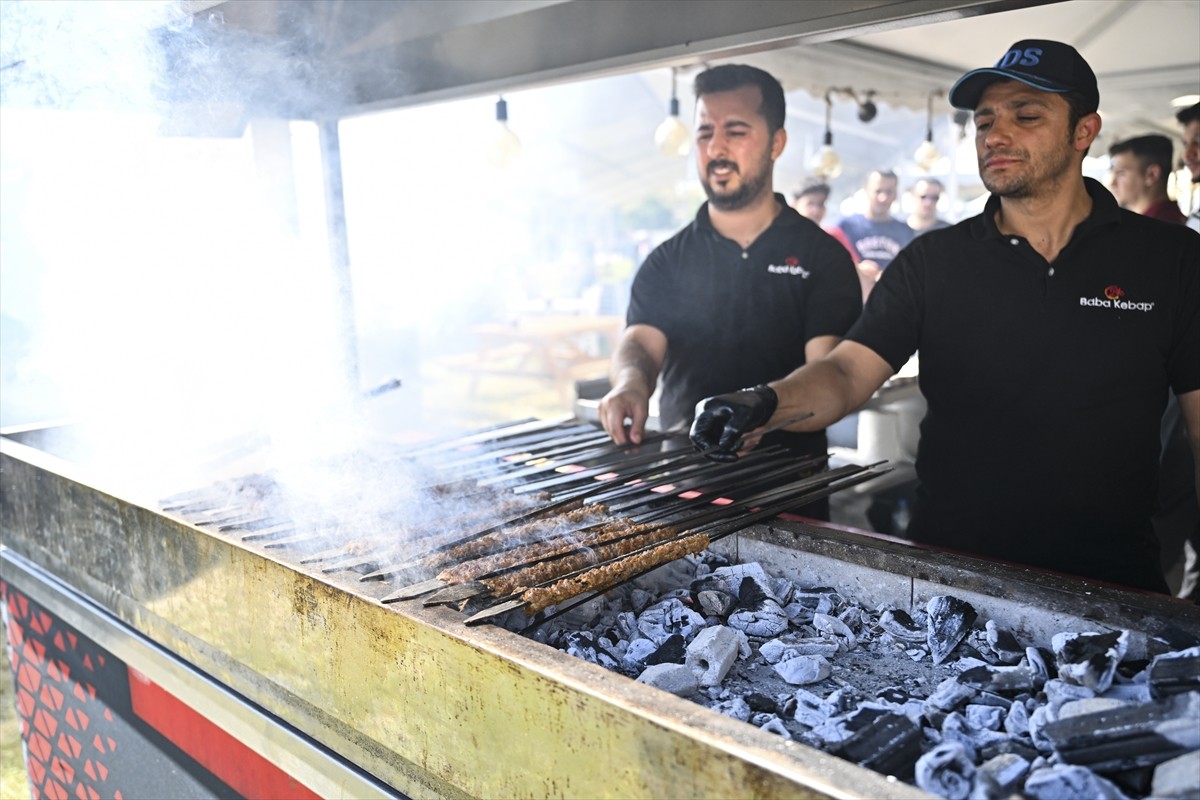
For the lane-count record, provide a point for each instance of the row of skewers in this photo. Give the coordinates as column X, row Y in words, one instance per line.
column 565, row 514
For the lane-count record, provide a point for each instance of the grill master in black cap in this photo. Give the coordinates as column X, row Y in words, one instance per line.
column 1040, row 63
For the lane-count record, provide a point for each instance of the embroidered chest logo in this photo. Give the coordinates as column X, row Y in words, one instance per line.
column 790, row 266
column 1114, row 297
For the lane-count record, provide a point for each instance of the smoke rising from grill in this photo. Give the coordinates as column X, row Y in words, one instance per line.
column 163, row 284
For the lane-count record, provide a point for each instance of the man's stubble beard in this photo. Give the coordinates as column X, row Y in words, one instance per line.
column 752, row 187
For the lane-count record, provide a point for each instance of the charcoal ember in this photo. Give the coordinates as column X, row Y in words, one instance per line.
column 1059, row 692
column 627, row 625
column 983, row 717
column 674, row 678
column 782, row 589
column 1089, row 659
column 715, row 602
column 950, row 620
column 791, row 645
column 735, row 707
column 785, row 705
column 1175, row 673
column 890, row 744
column 1130, row 692
column 734, row 577
column 1089, row 705
column 834, row 627
column 634, row 659
column 947, row 771
column 1039, row 660
column 811, row 710
column 1128, row 737
column 804, row 605
column 949, row 695
column 993, row 699
column 1016, row 722
column 898, row 623
column 1003, row 643
column 771, row 723
column 1039, row 718
column 847, row 698
column 712, row 654
column 852, row 616
column 1179, row 777
column 956, row 727
column 669, row 617
column 1001, row 680
column 1016, row 746
column 761, row 702
column 839, row 728
column 758, row 614
column 803, row 670
column 640, row 600
column 583, row 645
column 671, row 651
column 1065, row 782
column 1000, row 776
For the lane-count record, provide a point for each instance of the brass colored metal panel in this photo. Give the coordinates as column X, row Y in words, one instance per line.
column 425, row 704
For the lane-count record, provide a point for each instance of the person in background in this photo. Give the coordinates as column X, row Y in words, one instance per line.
column 745, row 293
column 1140, row 168
column 877, row 236
column 1050, row 328
column 925, row 195
column 809, row 199
column 1189, row 118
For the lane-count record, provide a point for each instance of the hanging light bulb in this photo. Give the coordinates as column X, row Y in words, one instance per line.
column 672, row 137
column 505, row 147
column 927, row 154
column 826, row 163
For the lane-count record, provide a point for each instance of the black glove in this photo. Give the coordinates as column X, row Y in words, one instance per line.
column 722, row 421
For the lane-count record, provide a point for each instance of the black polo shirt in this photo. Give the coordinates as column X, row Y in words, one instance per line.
column 1045, row 383
column 735, row 318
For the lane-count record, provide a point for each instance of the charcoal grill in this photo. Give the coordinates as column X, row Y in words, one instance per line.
column 404, row 698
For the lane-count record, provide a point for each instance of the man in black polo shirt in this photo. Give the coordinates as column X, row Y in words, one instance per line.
column 747, row 292
column 1050, row 329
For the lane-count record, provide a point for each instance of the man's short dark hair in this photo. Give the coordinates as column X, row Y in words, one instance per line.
column 1188, row 115
column 886, row 174
column 727, row 77
column 1150, row 149
column 931, row 181
column 811, row 186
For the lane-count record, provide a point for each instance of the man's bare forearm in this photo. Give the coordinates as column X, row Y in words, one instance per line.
column 633, row 364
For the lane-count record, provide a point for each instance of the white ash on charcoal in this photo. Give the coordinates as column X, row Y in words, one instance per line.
column 935, row 695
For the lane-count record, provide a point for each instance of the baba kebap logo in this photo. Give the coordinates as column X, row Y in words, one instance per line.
column 1114, row 297
column 790, row 266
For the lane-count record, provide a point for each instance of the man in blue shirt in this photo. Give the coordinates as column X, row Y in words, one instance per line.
column 877, row 236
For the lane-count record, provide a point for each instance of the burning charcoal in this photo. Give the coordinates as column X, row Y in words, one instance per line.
column 956, row 727
column 840, row 728
column 946, row 771
column 1129, row 737
column 785, row 705
column 950, row 619
column 836, row 628
column 803, row 670
column 1003, row 643
column 1177, row 777
column 1174, row 673
column 1089, row 659
column 790, row 645
column 805, row 604
column 1130, row 692
column 671, row 651
column 949, row 695
column 984, row 718
column 627, row 625
column 1017, row 720
column 636, row 654
column 811, row 710
column 845, row 699
column 898, row 623
column 669, row 617
column 715, row 602
column 640, row 600
column 771, row 724
column 1001, row 776
column 1040, row 661
column 1059, row 692
column 1008, row 680
column 674, row 678
column 1062, row 782
column 992, row 699
column 761, row 702
column 1039, row 718
column 735, row 577
column 890, row 744
column 1007, row 746
column 1089, row 705
column 712, row 653
column 583, row 645
column 758, row 614
column 852, row 616
column 783, row 589
column 735, row 707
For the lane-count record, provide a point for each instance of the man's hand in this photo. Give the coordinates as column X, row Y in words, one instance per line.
column 625, row 403
column 722, row 421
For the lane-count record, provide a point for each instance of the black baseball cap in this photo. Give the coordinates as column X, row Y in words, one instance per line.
column 1040, row 63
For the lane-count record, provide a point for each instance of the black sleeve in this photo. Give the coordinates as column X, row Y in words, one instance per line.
column 891, row 320
column 835, row 301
